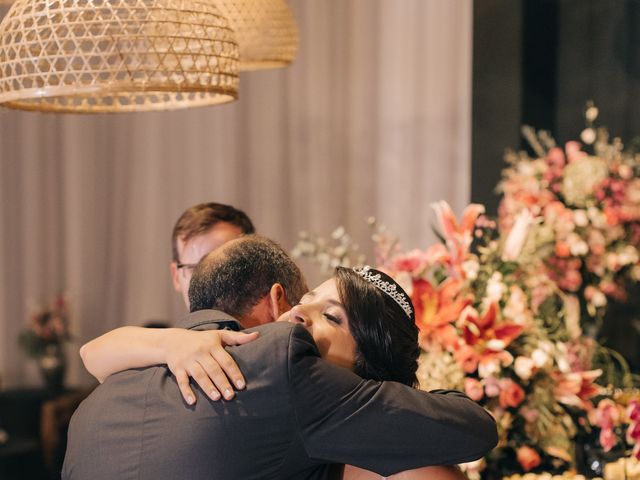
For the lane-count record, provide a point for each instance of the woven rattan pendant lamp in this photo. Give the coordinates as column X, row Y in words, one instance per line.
column 90, row 56
column 266, row 32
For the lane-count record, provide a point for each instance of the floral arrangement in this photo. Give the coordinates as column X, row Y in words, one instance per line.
column 587, row 203
column 48, row 328
column 501, row 305
column 512, row 341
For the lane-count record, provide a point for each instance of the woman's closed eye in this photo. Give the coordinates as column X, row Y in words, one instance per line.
column 333, row 318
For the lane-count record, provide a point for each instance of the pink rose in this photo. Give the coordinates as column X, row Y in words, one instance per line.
column 530, row 415
column 527, row 457
column 571, row 280
column 414, row 262
column 491, row 387
column 573, row 151
column 562, row 249
column 511, row 394
column 473, row 388
column 607, row 439
column 607, row 414
column 555, row 157
column 633, row 433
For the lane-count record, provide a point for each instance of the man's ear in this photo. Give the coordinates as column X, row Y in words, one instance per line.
column 173, row 267
column 278, row 303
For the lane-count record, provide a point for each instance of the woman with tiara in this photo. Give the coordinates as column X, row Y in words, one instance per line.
column 360, row 319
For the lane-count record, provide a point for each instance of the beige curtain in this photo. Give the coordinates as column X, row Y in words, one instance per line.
column 372, row 119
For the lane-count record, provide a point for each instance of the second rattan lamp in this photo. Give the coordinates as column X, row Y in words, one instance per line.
column 90, row 56
column 266, row 32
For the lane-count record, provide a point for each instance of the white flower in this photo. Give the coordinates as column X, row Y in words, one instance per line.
column 523, row 367
column 628, row 255
column 438, row 369
column 625, row 171
column 516, row 308
column 471, row 268
column 338, row 233
column 539, row 357
column 612, row 261
column 580, row 178
column 563, row 364
column 517, row 236
column 592, row 113
column 580, row 218
column 496, row 345
column 588, row 136
column 577, row 246
column 572, row 316
column 526, row 168
column 598, row 299
column 495, row 288
column 596, row 217
column 487, row 369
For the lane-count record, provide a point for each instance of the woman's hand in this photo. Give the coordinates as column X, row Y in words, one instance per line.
column 201, row 355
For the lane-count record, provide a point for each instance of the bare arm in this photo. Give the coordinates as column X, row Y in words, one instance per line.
column 121, row 349
column 187, row 353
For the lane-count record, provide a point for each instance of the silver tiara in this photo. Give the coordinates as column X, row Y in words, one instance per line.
column 389, row 288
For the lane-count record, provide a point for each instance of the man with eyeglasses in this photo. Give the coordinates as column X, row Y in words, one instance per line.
column 200, row 230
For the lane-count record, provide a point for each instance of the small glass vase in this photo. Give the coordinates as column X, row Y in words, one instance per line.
column 591, row 458
column 52, row 366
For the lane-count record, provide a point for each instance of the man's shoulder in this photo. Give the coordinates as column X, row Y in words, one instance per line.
column 208, row 320
column 291, row 333
column 278, row 340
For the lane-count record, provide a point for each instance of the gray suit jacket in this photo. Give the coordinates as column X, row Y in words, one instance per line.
column 297, row 415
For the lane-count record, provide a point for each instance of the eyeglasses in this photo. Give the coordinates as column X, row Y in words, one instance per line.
column 186, row 265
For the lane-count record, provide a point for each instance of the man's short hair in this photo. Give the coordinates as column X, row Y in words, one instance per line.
column 235, row 277
column 204, row 216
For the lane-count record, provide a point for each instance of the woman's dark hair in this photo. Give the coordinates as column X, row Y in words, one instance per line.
column 386, row 337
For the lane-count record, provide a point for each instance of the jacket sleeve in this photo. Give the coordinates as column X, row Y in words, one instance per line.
column 385, row 427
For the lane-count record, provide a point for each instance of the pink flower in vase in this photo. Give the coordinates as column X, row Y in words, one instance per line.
column 511, row 394
column 633, row 410
column 562, row 249
column 528, row 458
column 473, row 388
column 458, row 236
column 608, row 439
column 413, row 262
column 571, row 280
column 530, row 415
column 606, row 415
column 574, row 151
column 633, row 433
column 491, row 387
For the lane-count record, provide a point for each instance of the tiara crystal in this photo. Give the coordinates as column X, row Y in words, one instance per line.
column 389, row 288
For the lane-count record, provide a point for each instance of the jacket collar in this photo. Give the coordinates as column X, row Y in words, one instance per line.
column 209, row 319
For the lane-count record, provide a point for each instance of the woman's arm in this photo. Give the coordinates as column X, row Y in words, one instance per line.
column 187, row 353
